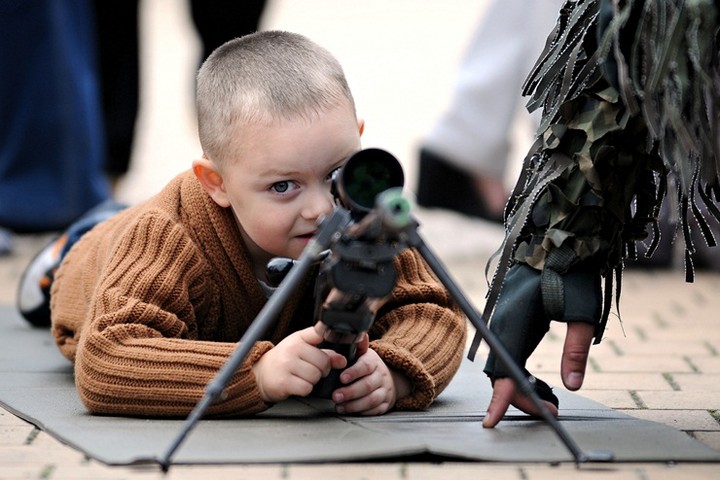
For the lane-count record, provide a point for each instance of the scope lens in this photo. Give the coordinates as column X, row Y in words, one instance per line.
column 367, row 174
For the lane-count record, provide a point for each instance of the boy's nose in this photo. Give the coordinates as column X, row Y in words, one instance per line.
column 319, row 203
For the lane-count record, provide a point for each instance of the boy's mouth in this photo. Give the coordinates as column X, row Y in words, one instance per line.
column 305, row 236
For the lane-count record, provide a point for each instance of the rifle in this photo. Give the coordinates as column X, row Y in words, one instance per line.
column 356, row 246
column 357, row 272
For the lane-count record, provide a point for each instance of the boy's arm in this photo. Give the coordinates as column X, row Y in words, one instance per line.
column 419, row 333
column 139, row 352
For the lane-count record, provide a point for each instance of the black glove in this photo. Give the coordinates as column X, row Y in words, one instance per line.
column 521, row 317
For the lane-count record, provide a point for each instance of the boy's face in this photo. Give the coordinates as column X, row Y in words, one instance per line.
column 281, row 186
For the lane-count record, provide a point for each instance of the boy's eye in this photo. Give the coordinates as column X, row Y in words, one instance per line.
column 282, row 187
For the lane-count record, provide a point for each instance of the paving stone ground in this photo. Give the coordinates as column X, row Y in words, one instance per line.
column 662, row 363
column 660, row 359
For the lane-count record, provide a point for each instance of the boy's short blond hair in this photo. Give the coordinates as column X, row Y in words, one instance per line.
column 263, row 78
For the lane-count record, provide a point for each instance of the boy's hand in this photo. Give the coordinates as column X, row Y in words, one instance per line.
column 294, row 366
column 574, row 360
column 371, row 387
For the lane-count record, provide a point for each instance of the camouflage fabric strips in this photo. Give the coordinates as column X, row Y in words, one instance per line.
column 630, row 92
column 651, row 70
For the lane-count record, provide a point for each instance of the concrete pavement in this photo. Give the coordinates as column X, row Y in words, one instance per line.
column 662, row 363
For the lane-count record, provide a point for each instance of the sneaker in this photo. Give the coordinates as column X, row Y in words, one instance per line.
column 33, row 300
column 34, row 292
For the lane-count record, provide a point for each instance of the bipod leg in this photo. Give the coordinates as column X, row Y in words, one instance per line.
column 516, row 373
column 264, row 320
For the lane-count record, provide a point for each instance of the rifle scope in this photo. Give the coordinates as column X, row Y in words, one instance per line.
column 365, row 175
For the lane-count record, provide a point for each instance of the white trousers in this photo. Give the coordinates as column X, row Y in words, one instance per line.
column 475, row 132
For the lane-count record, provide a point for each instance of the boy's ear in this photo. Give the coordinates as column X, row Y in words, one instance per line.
column 211, row 179
column 361, row 125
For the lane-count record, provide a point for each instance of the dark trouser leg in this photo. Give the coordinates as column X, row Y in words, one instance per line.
column 118, row 62
column 218, row 21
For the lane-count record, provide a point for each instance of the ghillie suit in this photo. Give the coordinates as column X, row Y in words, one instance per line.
column 630, row 91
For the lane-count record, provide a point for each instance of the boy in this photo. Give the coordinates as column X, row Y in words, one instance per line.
column 149, row 304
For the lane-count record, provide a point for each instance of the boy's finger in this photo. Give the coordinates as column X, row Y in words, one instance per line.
column 361, row 368
column 337, row 360
column 575, row 354
column 311, row 336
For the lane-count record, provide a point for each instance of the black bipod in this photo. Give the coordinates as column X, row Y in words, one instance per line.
column 522, row 382
column 368, row 175
column 329, row 229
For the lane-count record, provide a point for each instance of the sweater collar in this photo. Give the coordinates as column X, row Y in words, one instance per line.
column 218, row 234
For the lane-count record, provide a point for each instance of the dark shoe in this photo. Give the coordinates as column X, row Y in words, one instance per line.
column 441, row 185
column 33, row 299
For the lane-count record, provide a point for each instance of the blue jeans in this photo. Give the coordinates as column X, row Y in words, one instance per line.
column 85, row 223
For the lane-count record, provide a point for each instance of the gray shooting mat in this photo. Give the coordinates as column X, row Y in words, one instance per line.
column 36, row 384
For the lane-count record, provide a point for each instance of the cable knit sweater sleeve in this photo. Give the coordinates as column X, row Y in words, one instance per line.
column 139, row 353
column 420, row 332
column 145, row 312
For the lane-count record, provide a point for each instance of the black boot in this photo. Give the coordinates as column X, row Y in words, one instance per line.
column 441, row 185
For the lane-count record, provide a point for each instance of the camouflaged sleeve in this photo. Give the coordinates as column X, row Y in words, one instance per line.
column 589, row 207
column 630, row 93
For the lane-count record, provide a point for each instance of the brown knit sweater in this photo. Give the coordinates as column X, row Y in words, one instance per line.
column 150, row 303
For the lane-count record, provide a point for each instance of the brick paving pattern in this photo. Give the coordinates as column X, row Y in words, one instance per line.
column 662, row 363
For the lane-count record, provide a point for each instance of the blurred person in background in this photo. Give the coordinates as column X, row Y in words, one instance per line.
column 464, row 157
column 216, row 22
column 51, row 140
